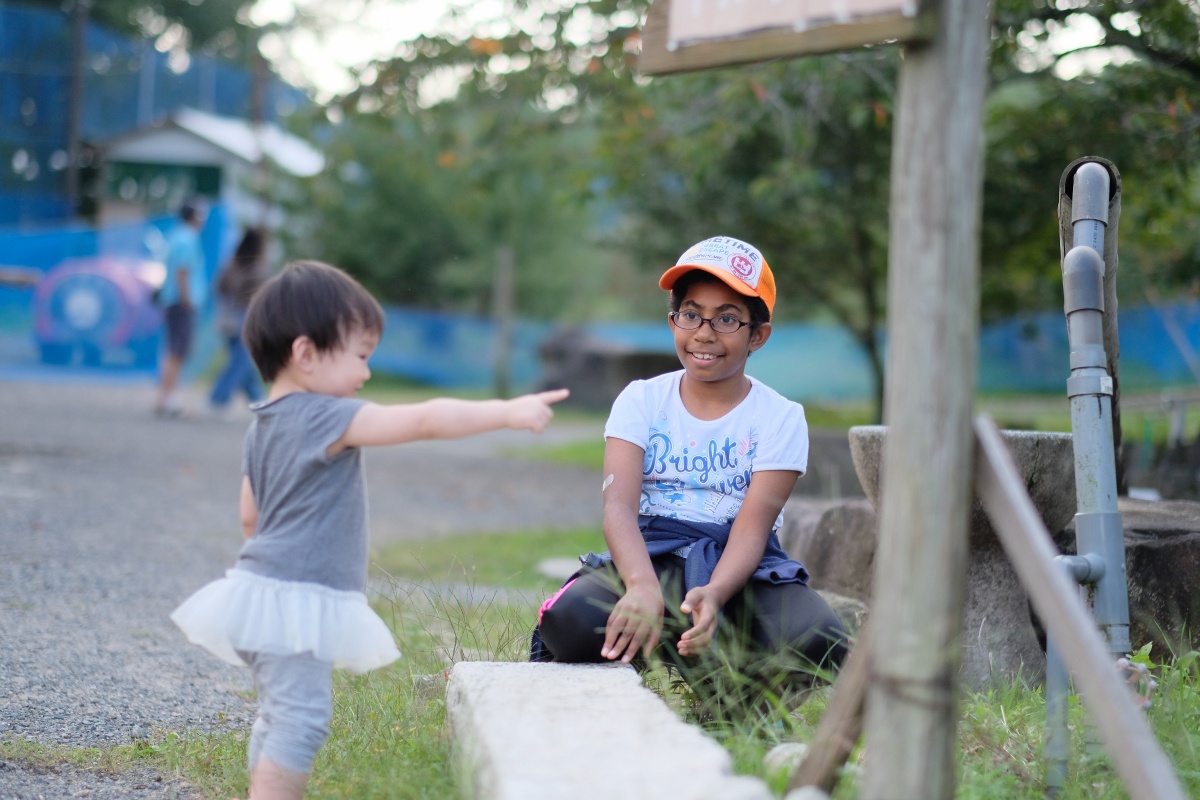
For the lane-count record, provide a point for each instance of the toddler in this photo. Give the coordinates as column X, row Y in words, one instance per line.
column 294, row 607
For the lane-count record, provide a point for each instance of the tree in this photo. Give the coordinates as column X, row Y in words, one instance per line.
column 504, row 157
column 1137, row 116
column 213, row 25
column 794, row 155
column 377, row 212
column 417, row 203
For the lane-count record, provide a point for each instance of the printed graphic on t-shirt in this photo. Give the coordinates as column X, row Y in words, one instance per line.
column 695, row 478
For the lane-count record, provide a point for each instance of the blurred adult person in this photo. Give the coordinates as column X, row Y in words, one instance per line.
column 183, row 293
column 241, row 277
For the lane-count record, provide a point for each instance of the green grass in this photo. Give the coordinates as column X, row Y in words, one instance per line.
column 838, row 417
column 389, row 740
column 508, row 559
column 581, row 453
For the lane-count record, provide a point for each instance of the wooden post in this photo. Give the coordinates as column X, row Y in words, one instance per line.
column 840, row 726
column 933, row 266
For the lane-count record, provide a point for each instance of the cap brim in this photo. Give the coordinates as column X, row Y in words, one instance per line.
column 676, row 272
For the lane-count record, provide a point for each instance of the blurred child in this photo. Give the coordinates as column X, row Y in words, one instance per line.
column 239, row 280
column 294, row 607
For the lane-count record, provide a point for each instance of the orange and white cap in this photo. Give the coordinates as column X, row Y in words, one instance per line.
column 741, row 266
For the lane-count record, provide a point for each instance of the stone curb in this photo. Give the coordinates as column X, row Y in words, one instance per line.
column 526, row 731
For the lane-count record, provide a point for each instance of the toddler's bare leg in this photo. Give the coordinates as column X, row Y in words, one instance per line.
column 270, row 781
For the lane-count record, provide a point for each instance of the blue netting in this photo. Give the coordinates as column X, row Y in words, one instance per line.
column 1029, row 353
column 456, row 351
column 128, row 85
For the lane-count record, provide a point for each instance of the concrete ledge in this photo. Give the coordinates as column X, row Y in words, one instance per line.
column 527, row 731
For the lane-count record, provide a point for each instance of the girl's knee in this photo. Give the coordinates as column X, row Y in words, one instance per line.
column 569, row 637
column 825, row 643
column 572, row 626
column 296, row 708
column 293, row 742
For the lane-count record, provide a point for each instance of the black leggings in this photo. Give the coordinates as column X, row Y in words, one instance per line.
column 766, row 618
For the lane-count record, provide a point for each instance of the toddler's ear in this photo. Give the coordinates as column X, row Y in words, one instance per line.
column 304, row 352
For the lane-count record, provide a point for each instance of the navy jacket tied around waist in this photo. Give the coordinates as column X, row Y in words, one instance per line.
column 665, row 535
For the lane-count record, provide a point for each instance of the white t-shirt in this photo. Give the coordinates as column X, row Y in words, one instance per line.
column 699, row 469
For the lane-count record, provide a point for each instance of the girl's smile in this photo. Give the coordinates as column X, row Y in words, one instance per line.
column 706, row 355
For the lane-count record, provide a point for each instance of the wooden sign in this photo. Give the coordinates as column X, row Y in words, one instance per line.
column 685, row 35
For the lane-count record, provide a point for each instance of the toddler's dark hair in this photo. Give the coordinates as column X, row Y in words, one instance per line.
column 759, row 313
column 308, row 298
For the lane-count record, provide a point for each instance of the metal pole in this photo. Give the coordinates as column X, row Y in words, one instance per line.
column 1069, row 214
column 1058, row 744
column 1080, row 569
column 1099, row 534
column 79, row 16
column 1098, row 528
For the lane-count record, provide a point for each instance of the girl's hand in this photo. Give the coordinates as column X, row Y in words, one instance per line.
column 702, row 603
column 636, row 622
column 532, row 411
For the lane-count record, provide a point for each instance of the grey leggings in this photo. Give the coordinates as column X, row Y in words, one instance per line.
column 295, row 706
column 767, row 617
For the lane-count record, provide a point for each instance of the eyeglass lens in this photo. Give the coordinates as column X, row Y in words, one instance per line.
column 723, row 323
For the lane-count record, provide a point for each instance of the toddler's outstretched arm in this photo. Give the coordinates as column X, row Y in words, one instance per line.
column 446, row 418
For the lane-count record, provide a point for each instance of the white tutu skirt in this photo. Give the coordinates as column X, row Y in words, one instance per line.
column 249, row 612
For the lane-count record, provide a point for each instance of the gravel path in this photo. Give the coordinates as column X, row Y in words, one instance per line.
column 110, row 517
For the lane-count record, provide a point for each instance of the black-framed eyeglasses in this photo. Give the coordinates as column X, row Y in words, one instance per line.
column 722, row 323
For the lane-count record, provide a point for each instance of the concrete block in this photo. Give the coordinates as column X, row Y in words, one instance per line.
column 527, row 731
column 999, row 640
column 835, row 540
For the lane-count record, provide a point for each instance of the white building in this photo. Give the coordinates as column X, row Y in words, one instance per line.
column 192, row 153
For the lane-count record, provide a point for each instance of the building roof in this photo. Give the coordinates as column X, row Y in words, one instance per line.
column 195, row 137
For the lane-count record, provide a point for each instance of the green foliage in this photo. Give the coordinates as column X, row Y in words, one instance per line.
column 417, row 203
column 794, row 156
column 385, row 740
column 215, row 26
column 380, row 212
column 1036, row 126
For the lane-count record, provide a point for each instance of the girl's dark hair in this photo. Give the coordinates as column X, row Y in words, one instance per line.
column 250, row 249
column 758, row 309
column 246, row 270
column 308, row 298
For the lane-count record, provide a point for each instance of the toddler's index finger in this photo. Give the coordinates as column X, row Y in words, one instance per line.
column 554, row 396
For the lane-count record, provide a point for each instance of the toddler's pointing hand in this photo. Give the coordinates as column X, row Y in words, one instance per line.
column 532, row 411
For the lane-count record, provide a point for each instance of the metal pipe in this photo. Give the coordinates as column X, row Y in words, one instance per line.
column 1089, row 206
column 1099, row 536
column 1058, row 744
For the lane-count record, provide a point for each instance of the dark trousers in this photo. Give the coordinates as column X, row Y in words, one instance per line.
column 239, row 373
column 771, row 620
